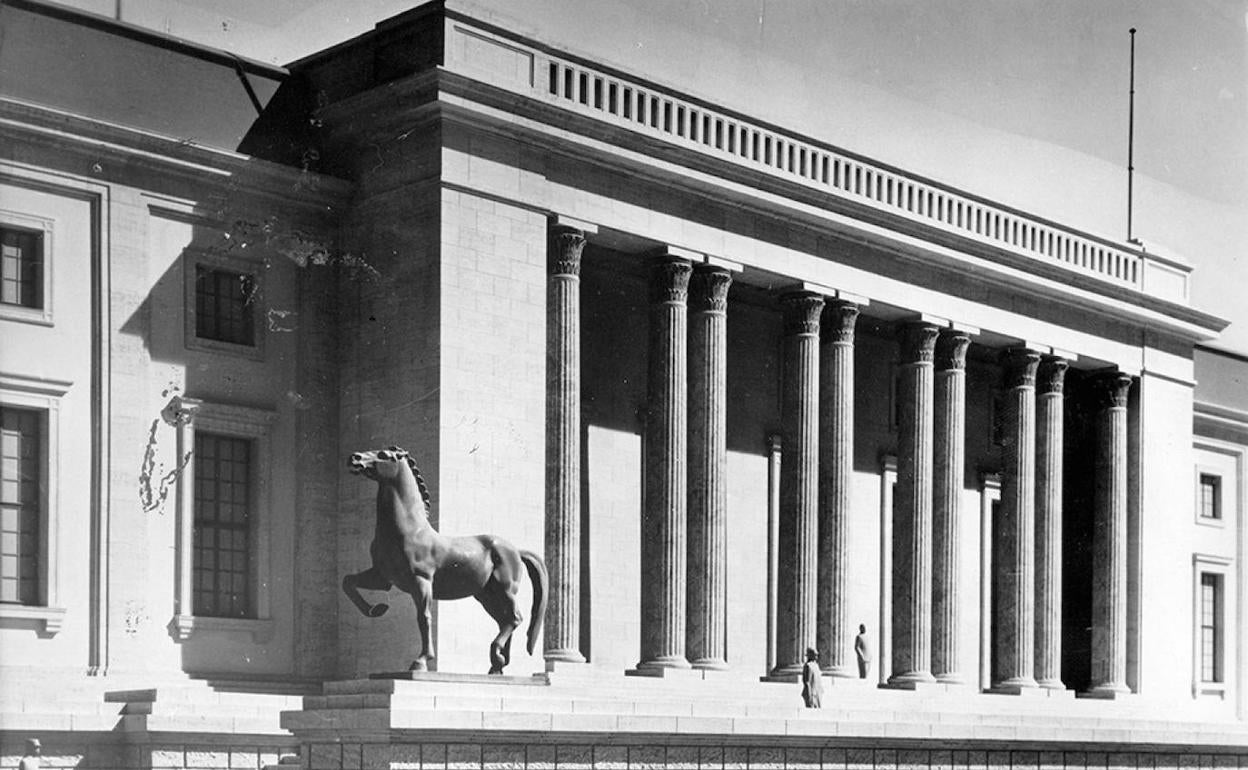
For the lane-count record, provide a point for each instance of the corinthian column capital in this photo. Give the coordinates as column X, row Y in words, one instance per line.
column 1020, row 367
column 801, row 312
column 708, row 290
column 918, row 342
column 1111, row 390
column 1051, row 377
column 669, row 281
column 951, row 350
column 566, row 245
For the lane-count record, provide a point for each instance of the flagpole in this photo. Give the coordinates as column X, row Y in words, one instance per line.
column 1131, row 140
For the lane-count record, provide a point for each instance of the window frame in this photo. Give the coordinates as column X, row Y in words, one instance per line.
column 1220, row 567
column 41, row 316
column 189, row 416
column 193, row 260
column 43, row 396
column 1203, row 471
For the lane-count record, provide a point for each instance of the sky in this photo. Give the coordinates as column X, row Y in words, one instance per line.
column 1024, row 101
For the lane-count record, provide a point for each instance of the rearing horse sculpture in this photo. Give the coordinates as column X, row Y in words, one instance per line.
column 408, row 553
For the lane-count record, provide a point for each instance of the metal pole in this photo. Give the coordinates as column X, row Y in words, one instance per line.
column 1131, row 139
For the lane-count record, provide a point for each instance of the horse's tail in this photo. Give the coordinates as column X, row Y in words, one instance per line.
column 541, row 582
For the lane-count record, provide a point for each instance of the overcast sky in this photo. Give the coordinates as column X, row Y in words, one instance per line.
column 1025, row 101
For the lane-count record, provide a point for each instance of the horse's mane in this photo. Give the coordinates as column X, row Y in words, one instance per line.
column 420, row 480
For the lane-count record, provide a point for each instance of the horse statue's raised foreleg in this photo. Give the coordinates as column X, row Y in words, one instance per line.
column 371, row 580
column 422, row 596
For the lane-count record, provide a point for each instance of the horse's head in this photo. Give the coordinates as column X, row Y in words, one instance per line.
column 380, row 464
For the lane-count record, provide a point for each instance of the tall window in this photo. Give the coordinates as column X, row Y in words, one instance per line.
column 224, row 308
column 21, row 267
column 20, row 455
column 222, row 534
column 1210, row 627
column 1210, row 496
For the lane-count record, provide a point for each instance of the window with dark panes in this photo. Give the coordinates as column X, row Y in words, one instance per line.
column 1210, row 494
column 21, row 267
column 20, row 503
column 222, row 535
column 224, row 305
column 1210, row 627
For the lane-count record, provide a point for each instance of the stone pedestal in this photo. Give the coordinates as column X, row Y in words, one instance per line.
column 1049, row 447
column 949, row 457
column 799, row 484
column 1109, row 539
column 708, row 458
column 836, row 470
column 563, row 437
column 912, row 523
column 663, row 551
column 1014, row 565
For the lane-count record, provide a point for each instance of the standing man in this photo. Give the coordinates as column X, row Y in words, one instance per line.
column 862, row 648
column 30, row 760
column 812, row 680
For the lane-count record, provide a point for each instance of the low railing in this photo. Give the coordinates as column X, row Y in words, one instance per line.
column 660, row 113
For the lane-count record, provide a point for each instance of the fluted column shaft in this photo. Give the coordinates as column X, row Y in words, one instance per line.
column 1014, row 568
column 836, row 467
column 1109, row 538
column 949, row 458
column 708, row 459
column 1049, row 447
column 563, row 436
column 912, row 506
column 799, row 483
column 663, row 526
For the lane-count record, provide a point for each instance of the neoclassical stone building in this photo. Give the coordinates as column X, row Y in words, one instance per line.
column 744, row 390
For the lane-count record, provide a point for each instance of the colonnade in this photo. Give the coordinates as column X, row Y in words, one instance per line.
column 684, row 528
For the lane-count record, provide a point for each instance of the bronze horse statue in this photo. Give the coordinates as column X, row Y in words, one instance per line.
column 410, row 554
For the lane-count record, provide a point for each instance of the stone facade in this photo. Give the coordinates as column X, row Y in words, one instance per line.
column 741, row 389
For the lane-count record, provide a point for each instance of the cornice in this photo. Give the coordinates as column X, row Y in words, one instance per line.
column 103, row 143
column 479, row 105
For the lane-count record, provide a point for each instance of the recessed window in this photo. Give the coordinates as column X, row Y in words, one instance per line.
column 222, row 537
column 224, row 305
column 21, row 448
column 21, row 267
column 1210, row 500
column 1211, row 643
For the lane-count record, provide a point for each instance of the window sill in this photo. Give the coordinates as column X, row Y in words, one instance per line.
column 53, row 618
column 1207, row 521
column 1211, row 690
column 27, row 315
column 204, row 345
column 184, row 626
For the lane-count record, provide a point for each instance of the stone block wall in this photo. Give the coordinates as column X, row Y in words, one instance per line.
column 609, row 756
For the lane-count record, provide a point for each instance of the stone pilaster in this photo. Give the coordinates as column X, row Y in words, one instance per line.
column 1109, row 538
column 708, row 460
column 663, row 520
column 836, row 469
column 912, row 506
column 1049, row 447
column 563, row 437
column 1014, row 568
column 949, row 458
column 799, row 484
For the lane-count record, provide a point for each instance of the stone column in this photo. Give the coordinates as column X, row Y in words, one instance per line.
column 1109, row 538
column 836, row 468
column 663, row 520
column 799, row 484
column 563, row 445
column 949, row 459
column 1049, row 446
column 912, row 507
column 1014, row 568
column 708, row 460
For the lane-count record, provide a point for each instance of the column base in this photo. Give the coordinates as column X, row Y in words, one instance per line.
column 788, row 673
column 709, row 664
column 1109, row 691
column 565, row 655
column 911, row 680
column 1016, row 685
column 1051, row 684
column 668, row 666
column 951, row 677
column 840, row 672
